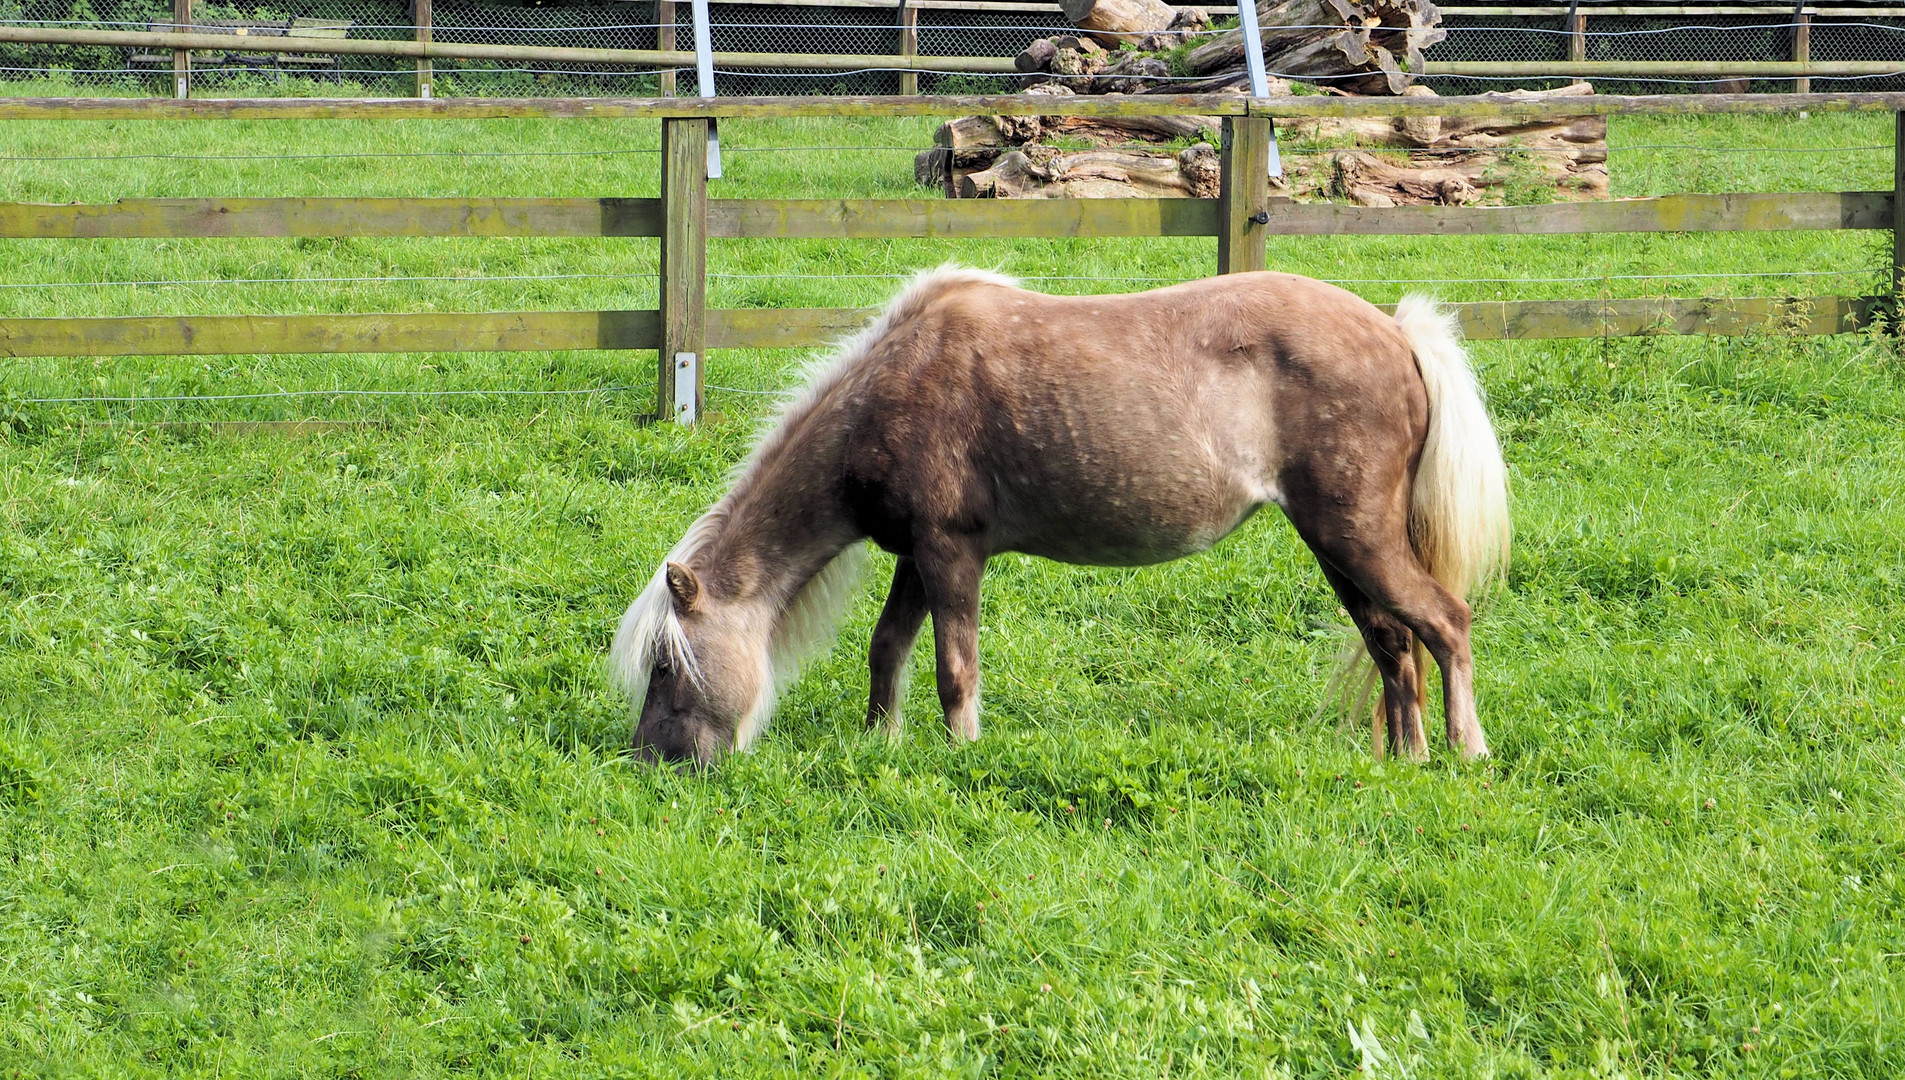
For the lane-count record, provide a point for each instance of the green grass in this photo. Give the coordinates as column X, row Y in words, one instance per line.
column 306, row 765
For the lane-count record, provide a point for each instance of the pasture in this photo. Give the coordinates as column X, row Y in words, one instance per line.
column 307, row 766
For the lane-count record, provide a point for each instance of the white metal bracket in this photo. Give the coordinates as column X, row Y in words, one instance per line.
column 704, row 79
column 687, row 367
column 1253, row 66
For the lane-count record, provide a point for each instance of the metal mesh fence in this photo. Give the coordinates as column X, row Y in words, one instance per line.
column 816, row 29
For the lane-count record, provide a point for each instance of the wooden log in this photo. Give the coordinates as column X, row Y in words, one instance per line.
column 1583, row 136
column 933, row 168
column 1115, row 22
column 1043, row 173
column 1365, row 46
column 1124, row 129
column 1036, row 56
column 1130, row 73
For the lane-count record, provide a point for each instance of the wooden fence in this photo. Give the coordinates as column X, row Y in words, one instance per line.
column 681, row 329
column 424, row 49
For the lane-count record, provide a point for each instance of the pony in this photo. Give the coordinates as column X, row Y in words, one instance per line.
column 973, row 417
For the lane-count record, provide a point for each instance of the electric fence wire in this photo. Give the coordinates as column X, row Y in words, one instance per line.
column 271, row 394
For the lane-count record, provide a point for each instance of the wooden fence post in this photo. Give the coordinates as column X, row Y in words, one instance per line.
column 665, row 41
column 909, row 45
column 426, row 73
column 1898, row 217
column 1577, row 38
column 182, row 58
column 1802, row 48
column 684, row 264
column 1243, row 200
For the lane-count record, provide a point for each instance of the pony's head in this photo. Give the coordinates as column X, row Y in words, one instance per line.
column 697, row 667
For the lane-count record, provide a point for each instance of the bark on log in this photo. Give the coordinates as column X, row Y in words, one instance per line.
column 1130, row 73
column 1114, row 22
column 1044, row 173
column 1036, row 56
column 1364, row 46
column 1448, row 160
column 969, row 134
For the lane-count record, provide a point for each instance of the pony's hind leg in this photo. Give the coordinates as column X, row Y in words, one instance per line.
column 1381, row 562
column 1441, row 620
column 1391, row 647
column 892, row 646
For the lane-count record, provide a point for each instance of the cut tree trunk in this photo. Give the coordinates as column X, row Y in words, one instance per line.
column 1444, row 161
column 1363, row 46
column 1452, row 160
column 1115, row 22
column 1041, row 172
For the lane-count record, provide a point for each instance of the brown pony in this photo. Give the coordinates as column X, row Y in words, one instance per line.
column 973, row 417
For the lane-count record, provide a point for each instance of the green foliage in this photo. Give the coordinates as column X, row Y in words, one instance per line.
column 306, row 764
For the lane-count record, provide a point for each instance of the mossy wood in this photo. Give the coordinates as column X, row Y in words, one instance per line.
column 1245, row 197
column 772, row 328
column 875, row 219
column 684, row 262
column 1479, row 105
column 444, row 50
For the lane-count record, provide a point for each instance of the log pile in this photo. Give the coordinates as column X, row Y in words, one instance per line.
column 1449, row 161
column 1147, row 46
column 1014, row 157
column 1347, row 46
column 1375, row 162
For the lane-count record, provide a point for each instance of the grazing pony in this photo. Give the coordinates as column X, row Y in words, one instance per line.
column 974, row 417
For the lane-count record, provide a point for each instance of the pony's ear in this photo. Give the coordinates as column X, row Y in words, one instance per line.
column 684, row 586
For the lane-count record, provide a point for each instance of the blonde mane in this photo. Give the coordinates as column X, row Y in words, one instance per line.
column 650, row 629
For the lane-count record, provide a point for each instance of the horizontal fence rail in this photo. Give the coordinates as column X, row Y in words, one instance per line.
column 782, row 328
column 685, row 218
column 889, row 219
column 1466, row 106
column 427, row 48
column 449, row 50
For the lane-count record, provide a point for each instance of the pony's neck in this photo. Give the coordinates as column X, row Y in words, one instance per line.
column 784, row 519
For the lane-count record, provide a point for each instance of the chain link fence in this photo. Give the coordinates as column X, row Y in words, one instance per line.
column 819, row 29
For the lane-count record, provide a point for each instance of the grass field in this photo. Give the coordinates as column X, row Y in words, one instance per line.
column 307, row 768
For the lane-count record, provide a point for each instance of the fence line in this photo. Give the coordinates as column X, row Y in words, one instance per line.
column 1216, row 105
column 427, row 48
column 682, row 328
column 719, row 276
column 758, row 219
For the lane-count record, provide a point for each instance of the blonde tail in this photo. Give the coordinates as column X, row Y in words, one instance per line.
column 1458, row 508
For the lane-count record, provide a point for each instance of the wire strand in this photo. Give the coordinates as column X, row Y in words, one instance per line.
column 325, row 393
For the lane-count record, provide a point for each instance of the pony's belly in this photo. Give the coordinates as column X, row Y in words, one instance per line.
column 1117, row 537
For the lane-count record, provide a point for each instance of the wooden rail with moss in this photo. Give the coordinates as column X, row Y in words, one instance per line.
column 425, row 48
column 778, row 328
column 681, row 329
column 1467, row 106
column 893, row 219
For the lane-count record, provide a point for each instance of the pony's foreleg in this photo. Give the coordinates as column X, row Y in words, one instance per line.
column 950, row 569
column 892, row 646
